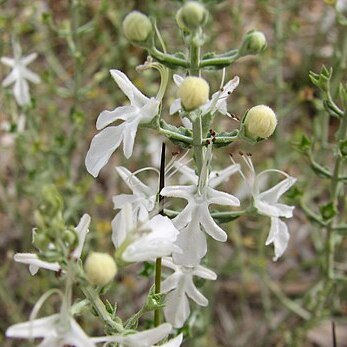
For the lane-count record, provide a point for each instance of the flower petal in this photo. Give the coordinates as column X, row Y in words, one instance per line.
column 10, row 79
column 8, row 61
column 171, row 282
column 120, row 113
column 175, row 106
column 175, row 342
column 176, row 308
column 28, row 59
column 130, row 130
column 279, row 236
column 221, row 198
column 77, row 337
column 35, row 263
column 272, row 195
column 184, row 192
column 178, row 79
column 102, row 147
column 149, row 110
column 21, row 91
column 122, row 224
column 194, row 294
column 210, row 225
column 134, row 95
column 204, row 272
column 31, row 76
column 188, row 173
column 42, row 327
column 216, row 178
column 82, row 229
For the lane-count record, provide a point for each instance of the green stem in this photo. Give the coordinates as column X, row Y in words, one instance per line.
column 167, row 59
column 100, row 308
column 220, row 61
column 197, row 143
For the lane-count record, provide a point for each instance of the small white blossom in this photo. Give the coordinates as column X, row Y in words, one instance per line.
column 146, row 240
column 35, row 263
column 20, row 74
column 180, row 287
column 266, row 202
column 142, row 200
column 195, row 219
column 54, row 331
column 141, row 110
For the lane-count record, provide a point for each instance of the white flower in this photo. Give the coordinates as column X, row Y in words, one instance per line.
column 35, row 263
column 54, row 331
column 195, row 218
column 20, row 74
column 179, row 287
column 146, row 240
column 267, row 204
column 141, row 110
column 218, row 102
column 147, row 338
column 142, row 200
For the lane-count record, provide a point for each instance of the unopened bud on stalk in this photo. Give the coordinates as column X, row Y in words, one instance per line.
column 193, row 92
column 137, row 26
column 260, row 122
column 100, row 268
column 253, row 42
column 191, row 16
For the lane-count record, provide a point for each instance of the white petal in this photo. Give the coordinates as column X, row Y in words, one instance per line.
column 216, row 178
column 192, row 241
column 175, row 106
column 279, row 236
column 102, row 147
column 184, row 192
column 130, row 130
column 82, row 229
column 194, row 294
column 29, row 58
column 77, row 337
column 273, row 194
column 176, row 308
column 221, row 97
column 273, row 210
column 178, row 79
column 120, row 200
column 31, row 76
column 171, row 282
column 221, row 198
column 167, row 262
column 21, row 91
column 10, row 79
column 120, row 113
column 149, row 110
column 134, row 95
column 162, row 227
column 204, row 272
column 184, row 217
column 175, row 342
column 148, row 337
column 122, row 224
column 42, row 327
column 8, row 61
column 33, row 259
column 210, row 225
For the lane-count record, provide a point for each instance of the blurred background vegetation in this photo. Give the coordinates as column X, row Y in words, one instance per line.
column 78, row 41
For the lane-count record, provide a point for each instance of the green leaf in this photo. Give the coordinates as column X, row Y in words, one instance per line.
column 328, row 211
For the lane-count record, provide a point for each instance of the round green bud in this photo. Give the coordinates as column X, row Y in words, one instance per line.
column 137, row 26
column 100, row 268
column 253, row 42
column 260, row 122
column 193, row 92
column 191, row 16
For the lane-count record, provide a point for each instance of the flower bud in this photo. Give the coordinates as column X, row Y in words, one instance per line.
column 193, row 93
column 260, row 122
column 253, row 42
column 191, row 16
column 100, row 268
column 137, row 26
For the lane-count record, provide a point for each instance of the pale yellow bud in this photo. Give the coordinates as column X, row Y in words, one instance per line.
column 191, row 16
column 100, row 268
column 137, row 26
column 260, row 122
column 193, row 93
